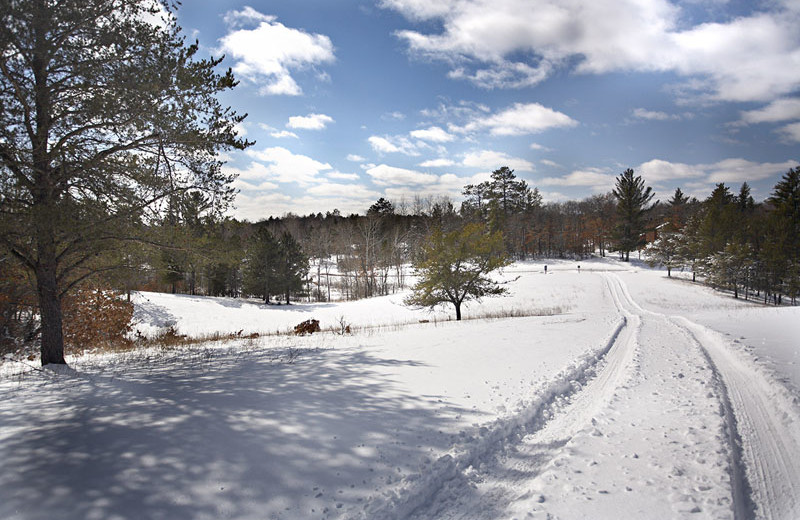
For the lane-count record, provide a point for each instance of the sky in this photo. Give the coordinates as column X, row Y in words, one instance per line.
column 352, row 100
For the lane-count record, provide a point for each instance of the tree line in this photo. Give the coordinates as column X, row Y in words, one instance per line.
column 111, row 144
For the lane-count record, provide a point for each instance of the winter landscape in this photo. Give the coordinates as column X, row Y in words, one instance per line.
column 616, row 393
column 399, row 259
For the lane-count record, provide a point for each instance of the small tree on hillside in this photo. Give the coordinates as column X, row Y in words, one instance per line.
column 665, row 250
column 455, row 267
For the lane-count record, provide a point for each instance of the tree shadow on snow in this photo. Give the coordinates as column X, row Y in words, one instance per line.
column 237, row 437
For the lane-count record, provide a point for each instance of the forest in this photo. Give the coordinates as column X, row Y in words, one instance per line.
column 727, row 240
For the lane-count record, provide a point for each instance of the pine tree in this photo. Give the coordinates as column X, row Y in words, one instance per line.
column 632, row 206
column 103, row 116
column 665, row 251
column 292, row 266
column 260, row 276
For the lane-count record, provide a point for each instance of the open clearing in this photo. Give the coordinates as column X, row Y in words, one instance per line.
column 622, row 394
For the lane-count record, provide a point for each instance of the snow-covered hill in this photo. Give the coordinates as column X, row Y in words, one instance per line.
column 623, row 394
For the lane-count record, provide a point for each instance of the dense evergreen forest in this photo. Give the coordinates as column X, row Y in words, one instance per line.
column 727, row 240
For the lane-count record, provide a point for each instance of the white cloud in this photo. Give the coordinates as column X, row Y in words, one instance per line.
column 492, row 160
column 386, row 175
column 282, row 134
column 779, row 110
column 552, row 164
column 287, row 167
column 393, row 145
column 309, row 122
column 343, row 176
column 657, row 170
column 355, row 158
column 393, row 116
column 741, row 170
column 537, row 146
column 346, row 191
column 270, row 52
column 382, row 145
column 597, row 179
column 791, row 132
column 517, row 43
column 520, row 119
column 433, row 133
column 653, row 115
column 734, row 170
column 437, row 163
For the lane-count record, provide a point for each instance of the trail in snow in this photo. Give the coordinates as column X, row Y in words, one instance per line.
column 767, row 424
column 764, row 428
column 650, row 435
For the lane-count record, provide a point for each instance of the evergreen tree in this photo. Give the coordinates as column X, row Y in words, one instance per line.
column 665, row 251
column 381, row 208
column 261, row 275
column 784, row 232
column 292, row 266
column 632, row 206
column 104, row 114
column 718, row 225
column 678, row 209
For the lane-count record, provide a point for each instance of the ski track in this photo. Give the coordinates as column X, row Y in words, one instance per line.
column 767, row 428
column 719, row 441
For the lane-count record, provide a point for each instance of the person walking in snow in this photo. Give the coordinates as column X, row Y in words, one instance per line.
column 545, row 269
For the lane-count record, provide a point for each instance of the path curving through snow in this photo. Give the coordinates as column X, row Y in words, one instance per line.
column 668, row 422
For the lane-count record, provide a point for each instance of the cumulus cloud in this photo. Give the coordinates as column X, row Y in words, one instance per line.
column 779, row 110
column 343, row 176
column 387, row 175
column 282, row 134
column 281, row 165
column 397, row 144
column 437, row 163
column 518, row 43
column 733, row 170
column 355, row 158
column 492, row 160
column 741, row 170
column 267, row 52
column 597, row 179
column 309, row 122
column 659, row 170
column 433, row 133
column 520, row 119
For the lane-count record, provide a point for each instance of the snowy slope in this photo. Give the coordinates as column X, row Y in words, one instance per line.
column 632, row 402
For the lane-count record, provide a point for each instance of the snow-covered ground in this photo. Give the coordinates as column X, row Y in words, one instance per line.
column 623, row 394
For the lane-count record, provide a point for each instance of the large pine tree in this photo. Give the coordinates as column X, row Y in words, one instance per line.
column 633, row 198
column 104, row 114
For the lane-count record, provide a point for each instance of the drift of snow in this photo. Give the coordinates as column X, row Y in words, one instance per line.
column 623, row 394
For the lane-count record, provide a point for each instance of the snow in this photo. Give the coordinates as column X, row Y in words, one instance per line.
column 621, row 394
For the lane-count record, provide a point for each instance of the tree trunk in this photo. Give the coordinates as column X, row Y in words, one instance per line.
column 52, row 348
column 458, row 310
column 669, row 272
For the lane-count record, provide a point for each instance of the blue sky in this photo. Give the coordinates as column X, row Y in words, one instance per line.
column 352, row 100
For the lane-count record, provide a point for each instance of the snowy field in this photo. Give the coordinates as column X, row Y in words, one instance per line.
column 621, row 395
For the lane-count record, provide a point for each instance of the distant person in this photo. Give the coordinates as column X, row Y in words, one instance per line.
column 545, row 269
column 579, row 268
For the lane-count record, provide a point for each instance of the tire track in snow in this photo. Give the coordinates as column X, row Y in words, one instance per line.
column 766, row 431
column 588, row 384
column 650, row 395
column 763, row 428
